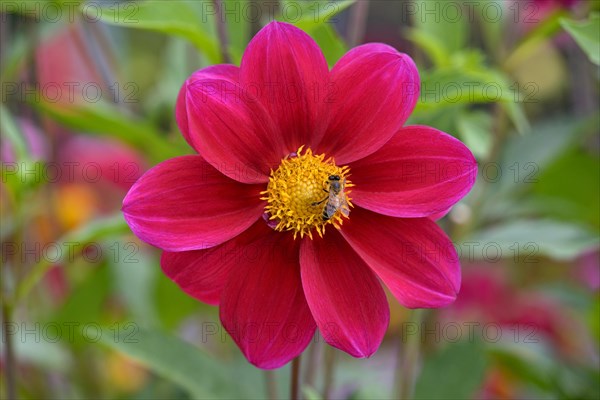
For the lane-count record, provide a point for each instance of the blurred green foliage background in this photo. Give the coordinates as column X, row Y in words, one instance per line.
column 88, row 95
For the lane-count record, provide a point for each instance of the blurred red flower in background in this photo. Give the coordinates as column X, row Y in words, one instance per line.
column 87, row 176
column 527, row 317
column 550, row 4
column 34, row 139
column 271, row 137
column 488, row 297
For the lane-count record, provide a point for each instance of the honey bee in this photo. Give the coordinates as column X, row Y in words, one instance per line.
column 336, row 200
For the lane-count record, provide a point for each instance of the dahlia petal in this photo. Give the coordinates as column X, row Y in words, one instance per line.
column 413, row 257
column 232, row 131
column 421, row 171
column 185, row 204
column 439, row 215
column 263, row 305
column 203, row 273
column 373, row 90
column 344, row 295
column 288, row 72
column 221, row 71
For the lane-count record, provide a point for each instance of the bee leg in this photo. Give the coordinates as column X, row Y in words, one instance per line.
column 316, row 203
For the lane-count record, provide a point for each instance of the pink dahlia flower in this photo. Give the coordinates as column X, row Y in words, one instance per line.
column 262, row 221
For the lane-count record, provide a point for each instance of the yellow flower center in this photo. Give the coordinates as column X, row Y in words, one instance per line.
column 307, row 192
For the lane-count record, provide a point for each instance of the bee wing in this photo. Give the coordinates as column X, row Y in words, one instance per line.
column 345, row 210
column 330, row 210
column 344, row 207
column 332, row 205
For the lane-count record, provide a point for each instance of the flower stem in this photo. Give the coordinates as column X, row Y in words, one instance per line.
column 408, row 357
column 358, row 23
column 222, row 32
column 90, row 45
column 295, row 381
column 312, row 364
column 9, row 355
column 329, row 371
column 271, row 385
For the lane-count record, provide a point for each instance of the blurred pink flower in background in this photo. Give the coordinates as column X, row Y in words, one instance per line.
column 488, row 297
column 85, row 177
column 111, row 162
column 555, row 4
column 66, row 69
column 525, row 317
column 587, row 270
column 36, row 144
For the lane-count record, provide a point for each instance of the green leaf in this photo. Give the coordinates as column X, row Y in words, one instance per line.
column 12, row 62
column 517, row 115
column 430, row 44
column 533, row 238
column 176, row 360
column 330, row 42
column 310, row 393
column 84, row 306
column 455, row 372
column 312, row 16
column 106, row 120
column 134, row 276
column 586, row 34
column 238, row 26
column 522, row 161
column 171, row 77
column 308, row 14
column 99, row 229
column 537, row 366
column 593, row 320
column 181, row 19
column 35, row 349
column 447, row 87
column 569, row 188
column 440, row 35
column 524, row 157
column 529, row 362
column 462, row 77
column 172, row 304
column 443, row 118
column 541, row 32
column 545, row 142
column 95, row 231
column 475, row 129
column 10, row 130
column 491, row 30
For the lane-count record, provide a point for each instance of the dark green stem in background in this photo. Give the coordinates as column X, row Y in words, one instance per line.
column 358, row 23
column 9, row 355
column 312, row 363
column 295, row 379
column 271, row 385
column 408, row 358
column 329, row 371
column 222, row 32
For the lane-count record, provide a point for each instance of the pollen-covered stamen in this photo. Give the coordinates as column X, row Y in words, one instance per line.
column 298, row 193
